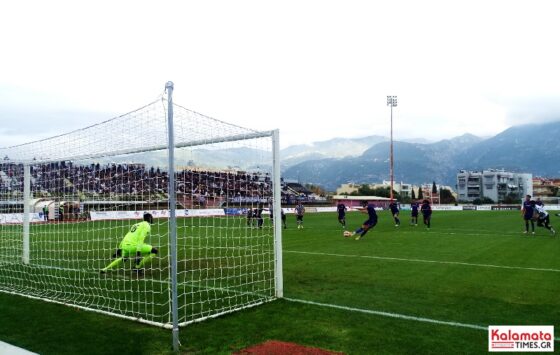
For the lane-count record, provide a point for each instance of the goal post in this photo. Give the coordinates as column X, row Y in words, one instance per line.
column 279, row 276
column 26, row 210
column 172, row 216
column 212, row 247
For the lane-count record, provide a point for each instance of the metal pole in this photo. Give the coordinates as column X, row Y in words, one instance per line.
column 172, row 218
column 278, row 273
column 26, row 211
column 391, row 168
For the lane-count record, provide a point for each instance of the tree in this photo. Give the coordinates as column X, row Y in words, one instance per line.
column 483, row 201
column 405, row 199
column 420, row 193
column 434, row 188
column 412, row 195
column 511, row 198
column 365, row 190
column 316, row 189
column 446, row 196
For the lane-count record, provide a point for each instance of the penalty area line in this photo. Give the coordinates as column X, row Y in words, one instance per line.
column 394, row 315
column 424, row 261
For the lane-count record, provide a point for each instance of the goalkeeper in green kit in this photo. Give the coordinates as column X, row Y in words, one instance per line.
column 132, row 246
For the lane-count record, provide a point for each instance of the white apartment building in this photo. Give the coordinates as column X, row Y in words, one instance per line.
column 495, row 184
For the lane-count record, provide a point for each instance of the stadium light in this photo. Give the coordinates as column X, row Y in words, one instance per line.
column 392, row 102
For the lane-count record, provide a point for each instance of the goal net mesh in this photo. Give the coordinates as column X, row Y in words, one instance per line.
column 88, row 189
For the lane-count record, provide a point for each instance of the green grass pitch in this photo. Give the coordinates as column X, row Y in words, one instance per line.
column 378, row 295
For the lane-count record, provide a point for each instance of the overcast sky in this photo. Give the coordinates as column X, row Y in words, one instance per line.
column 313, row 69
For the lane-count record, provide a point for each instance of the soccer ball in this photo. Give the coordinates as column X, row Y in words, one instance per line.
column 347, row 234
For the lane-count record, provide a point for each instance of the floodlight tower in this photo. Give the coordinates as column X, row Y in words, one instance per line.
column 392, row 102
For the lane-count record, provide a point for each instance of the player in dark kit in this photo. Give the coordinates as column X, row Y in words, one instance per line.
column 414, row 213
column 249, row 217
column 527, row 210
column 283, row 217
column 368, row 208
column 258, row 215
column 426, row 210
column 341, row 209
column 395, row 212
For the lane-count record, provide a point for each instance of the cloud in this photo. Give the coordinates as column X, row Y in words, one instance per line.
column 523, row 110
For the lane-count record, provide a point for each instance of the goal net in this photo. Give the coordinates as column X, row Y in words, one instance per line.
column 67, row 202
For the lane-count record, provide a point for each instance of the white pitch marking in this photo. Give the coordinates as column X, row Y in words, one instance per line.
column 425, row 261
column 394, row 315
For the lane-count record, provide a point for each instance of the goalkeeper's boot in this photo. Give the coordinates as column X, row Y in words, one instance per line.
column 358, row 237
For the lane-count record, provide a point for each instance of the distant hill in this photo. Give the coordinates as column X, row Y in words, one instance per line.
column 332, row 148
column 533, row 148
column 414, row 162
column 530, row 148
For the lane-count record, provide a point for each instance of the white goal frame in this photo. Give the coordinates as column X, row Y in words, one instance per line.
column 172, row 286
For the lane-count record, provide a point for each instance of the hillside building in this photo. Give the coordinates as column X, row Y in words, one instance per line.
column 403, row 189
column 399, row 187
column 356, row 201
column 547, row 189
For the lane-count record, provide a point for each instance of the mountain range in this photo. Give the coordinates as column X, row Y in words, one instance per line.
column 532, row 148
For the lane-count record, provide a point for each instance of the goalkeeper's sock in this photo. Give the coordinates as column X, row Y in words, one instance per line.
column 144, row 261
column 359, row 231
column 115, row 263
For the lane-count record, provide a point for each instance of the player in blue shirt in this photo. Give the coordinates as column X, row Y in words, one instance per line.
column 341, row 209
column 527, row 211
column 368, row 208
column 414, row 213
column 426, row 210
column 395, row 212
